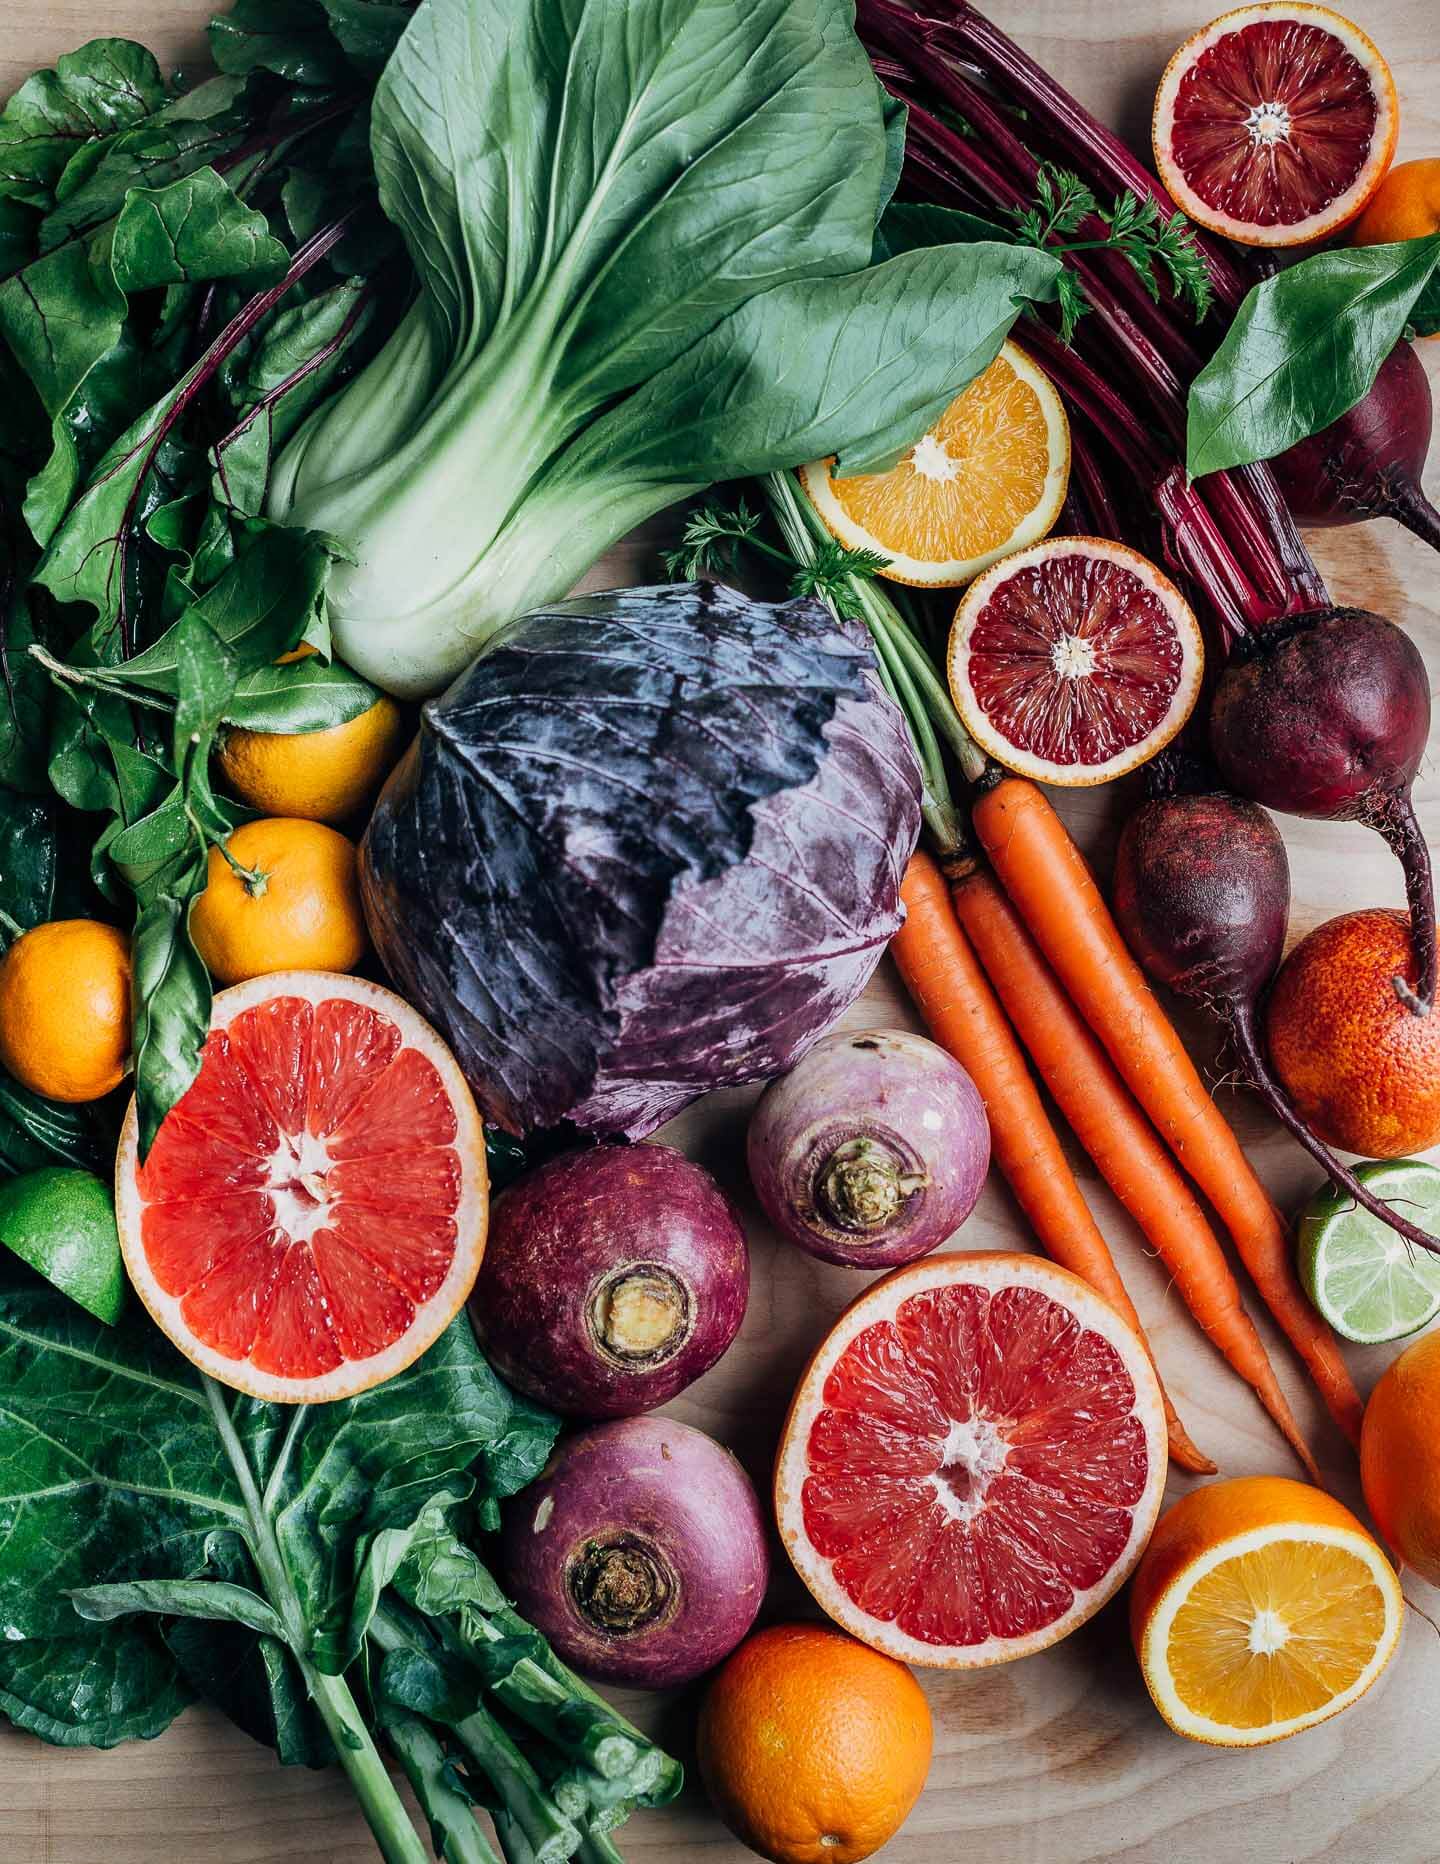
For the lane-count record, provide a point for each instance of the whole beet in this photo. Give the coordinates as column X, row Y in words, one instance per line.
column 639, row 1552
column 612, row 1278
column 1327, row 714
column 1202, row 898
column 1368, row 463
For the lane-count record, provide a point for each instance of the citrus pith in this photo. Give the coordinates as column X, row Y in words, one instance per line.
column 988, row 477
column 312, row 1213
column 972, row 1461
column 1275, row 124
column 1261, row 1607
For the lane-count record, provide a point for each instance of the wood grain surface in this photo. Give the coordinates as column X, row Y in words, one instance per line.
column 1061, row 1759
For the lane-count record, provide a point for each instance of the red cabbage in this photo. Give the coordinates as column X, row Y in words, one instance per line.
column 651, row 844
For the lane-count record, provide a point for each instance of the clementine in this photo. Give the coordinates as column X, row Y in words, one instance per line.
column 813, row 1747
column 321, row 776
column 1361, row 1066
column 1406, row 205
column 65, row 1009
column 1400, row 1456
column 287, row 899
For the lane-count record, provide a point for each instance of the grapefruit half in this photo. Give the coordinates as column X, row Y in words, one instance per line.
column 973, row 1461
column 1275, row 123
column 312, row 1213
column 1074, row 661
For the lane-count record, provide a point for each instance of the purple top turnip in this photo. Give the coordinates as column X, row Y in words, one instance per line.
column 1368, row 463
column 872, row 1150
column 639, row 1552
column 612, row 1279
column 1202, row 897
column 1327, row 714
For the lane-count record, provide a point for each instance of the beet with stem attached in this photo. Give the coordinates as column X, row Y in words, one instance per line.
column 1202, row 896
column 1327, row 714
column 1368, row 463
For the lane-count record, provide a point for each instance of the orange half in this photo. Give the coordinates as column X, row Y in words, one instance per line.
column 988, row 477
column 1262, row 1606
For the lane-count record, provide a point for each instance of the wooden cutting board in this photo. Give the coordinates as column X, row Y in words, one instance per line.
column 1058, row 1760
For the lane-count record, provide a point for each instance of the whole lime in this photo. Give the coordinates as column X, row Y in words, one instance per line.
column 62, row 1222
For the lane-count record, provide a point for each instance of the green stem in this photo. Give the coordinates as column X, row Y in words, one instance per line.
column 383, row 1807
column 299, row 1414
column 454, row 1830
column 97, row 678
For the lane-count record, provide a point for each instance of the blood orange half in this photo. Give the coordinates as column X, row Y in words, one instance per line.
column 1074, row 661
column 973, row 1461
column 1275, row 124
column 312, row 1213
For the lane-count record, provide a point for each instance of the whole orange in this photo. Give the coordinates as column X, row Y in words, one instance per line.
column 65, row 1009
column 1406, row 205
column 322, row 776
column 1362, row 1068
column 1400, row 1456
column 813, row 1747
column 288, row 899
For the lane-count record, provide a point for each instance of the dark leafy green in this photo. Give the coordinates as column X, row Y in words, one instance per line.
column 1304, row 347
column 165, row 1537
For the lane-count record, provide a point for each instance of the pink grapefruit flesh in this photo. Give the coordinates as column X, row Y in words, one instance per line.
column 312, row 1213
column 973, row 1461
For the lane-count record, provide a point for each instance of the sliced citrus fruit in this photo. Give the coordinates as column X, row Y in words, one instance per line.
column 1261, row 1607
column 972, row 1461
column 1275, row 124
column 1370, row 1284
column 312, row 1213
column 989, row 476
column 1074, row 660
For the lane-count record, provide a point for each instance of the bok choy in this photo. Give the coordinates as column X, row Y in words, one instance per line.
column 642, row 239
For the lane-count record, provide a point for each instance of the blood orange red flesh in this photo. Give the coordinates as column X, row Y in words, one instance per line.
column 973, row 1461
column 312, row 1213
column 1275, row 124
column 1074, row 661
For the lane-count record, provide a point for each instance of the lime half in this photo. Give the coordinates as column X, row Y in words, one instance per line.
column 1369, row 1283
column 62, row 1222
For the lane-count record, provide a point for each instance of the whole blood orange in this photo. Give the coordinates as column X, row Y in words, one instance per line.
column 312, row 1213
column 1261, row 1607
column 1361, row 1067
column 1275, row 123
column 973, row 1460
column 1400, row 1456
column 812, row 1746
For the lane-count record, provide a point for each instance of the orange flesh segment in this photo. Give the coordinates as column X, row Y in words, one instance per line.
column 974, row 1465
column 300, row 1200
column 988, row 460
column 1318, row 1605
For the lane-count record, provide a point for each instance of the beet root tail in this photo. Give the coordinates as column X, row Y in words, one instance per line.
column 1261, row 1080
column 1396, row 822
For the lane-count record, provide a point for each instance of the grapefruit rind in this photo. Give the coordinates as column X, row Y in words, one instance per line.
column 1154, row 1643
column 881, row 1301
column 1345, row 207
column 1047, row 770
column 353, row 1376
column 817, row 480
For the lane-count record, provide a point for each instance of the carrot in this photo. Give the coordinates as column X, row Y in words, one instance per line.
column 944, row 978
column 1045, row 875
column 1106, row 1120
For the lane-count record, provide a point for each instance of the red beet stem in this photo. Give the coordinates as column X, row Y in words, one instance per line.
column 1396, row 821
column 1087, row 145
column 1094, row 488
column 1239, row 1019
column 1403, row 500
